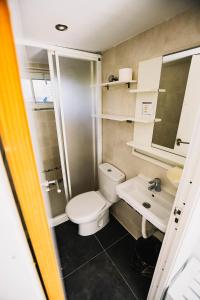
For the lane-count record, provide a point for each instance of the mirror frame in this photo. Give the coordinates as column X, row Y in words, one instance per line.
column 149, row 79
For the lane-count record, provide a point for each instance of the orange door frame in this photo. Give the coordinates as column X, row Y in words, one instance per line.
column 16, row 140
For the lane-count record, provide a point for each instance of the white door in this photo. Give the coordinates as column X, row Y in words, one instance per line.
column 18, row 276
column 182, row 237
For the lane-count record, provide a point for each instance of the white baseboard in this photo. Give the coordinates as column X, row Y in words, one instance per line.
column 58, row 220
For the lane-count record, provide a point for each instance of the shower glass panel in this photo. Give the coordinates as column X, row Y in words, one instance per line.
column 39, row 100
column 76, row 109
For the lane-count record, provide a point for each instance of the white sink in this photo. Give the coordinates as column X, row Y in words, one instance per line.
column 135, row 192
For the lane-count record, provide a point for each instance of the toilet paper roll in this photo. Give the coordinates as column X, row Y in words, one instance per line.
column 125, row 74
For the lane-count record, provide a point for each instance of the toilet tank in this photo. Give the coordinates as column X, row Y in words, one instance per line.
column 109, row 178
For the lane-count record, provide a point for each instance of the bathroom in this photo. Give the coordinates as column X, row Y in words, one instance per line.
column 111, row 136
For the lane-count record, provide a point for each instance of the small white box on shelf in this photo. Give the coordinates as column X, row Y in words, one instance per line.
column 125, row 74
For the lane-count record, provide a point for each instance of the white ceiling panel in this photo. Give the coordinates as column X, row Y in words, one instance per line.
column 94, row 25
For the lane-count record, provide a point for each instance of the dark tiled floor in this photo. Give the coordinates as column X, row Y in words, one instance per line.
column 74, row 249
column 97, row 280
column 140, row 285
column 111, row 233
column 99, row 266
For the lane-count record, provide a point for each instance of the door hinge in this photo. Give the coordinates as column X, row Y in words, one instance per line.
column 177, row 213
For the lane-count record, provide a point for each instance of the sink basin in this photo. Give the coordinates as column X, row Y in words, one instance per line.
column 153, row 206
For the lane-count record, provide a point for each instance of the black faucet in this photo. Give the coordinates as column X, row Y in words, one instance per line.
column 155, row 185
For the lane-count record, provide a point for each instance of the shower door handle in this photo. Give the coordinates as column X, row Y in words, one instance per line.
column 179, row 142
column 47, row 184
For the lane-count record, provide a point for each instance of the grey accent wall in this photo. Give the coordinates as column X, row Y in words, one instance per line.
column 179, row 33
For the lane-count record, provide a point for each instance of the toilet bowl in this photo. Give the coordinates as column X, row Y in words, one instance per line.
column 90, row 210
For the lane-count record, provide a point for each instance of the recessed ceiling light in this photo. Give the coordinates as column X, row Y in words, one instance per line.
column 61, row 27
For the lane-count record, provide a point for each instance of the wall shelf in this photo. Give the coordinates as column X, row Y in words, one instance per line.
column 147, row 91
column 121, row 118
column 114, row 83
column 165, row 156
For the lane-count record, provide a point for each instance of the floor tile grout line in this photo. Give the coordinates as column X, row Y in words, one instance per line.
column 124, row 279
column 103, row 251
column 118, row 240
column 82, row 265
column 99, row 242
column 121, row 238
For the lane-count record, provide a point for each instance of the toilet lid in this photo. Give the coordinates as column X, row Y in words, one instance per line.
column 85, row 207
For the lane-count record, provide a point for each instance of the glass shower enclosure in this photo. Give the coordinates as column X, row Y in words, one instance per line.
column 63, row 120
column 75, row 80
column 77, row 88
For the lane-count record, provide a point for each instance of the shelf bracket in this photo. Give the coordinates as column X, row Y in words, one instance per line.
column 128, row 83
column 107, row 87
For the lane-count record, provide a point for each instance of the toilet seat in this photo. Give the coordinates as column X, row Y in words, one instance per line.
column 85, row 207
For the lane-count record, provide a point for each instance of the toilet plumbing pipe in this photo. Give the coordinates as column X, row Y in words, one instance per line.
column 146, row 234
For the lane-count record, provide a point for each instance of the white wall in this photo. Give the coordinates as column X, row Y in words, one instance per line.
column 18, row 276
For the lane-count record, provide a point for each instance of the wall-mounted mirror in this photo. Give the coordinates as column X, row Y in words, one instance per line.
column 172, row 88
column 174, row 78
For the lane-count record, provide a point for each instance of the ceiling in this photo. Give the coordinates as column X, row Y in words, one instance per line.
column 94, row 25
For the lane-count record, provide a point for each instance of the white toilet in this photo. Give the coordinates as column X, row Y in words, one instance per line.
column 91, row 210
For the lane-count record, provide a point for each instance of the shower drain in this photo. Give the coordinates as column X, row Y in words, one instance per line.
column 146, row 204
